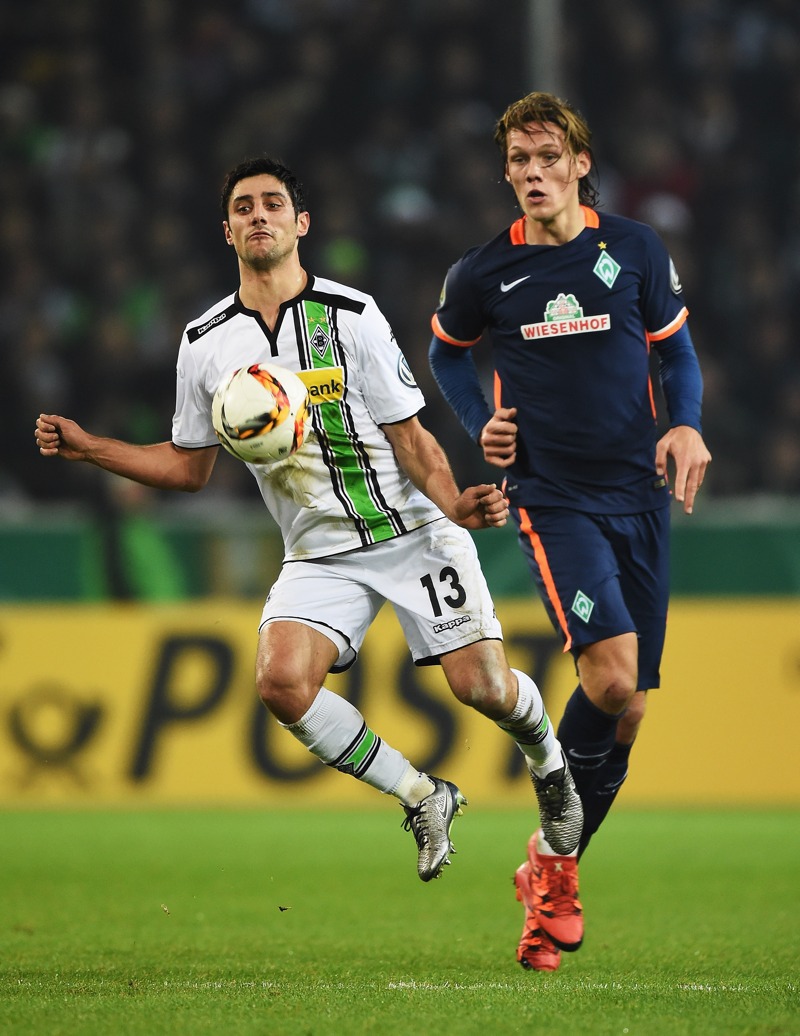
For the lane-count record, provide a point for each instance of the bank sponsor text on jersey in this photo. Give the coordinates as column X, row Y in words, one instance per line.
column 324, row 384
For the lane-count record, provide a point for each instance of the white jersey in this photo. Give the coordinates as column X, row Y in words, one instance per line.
column 344, row 488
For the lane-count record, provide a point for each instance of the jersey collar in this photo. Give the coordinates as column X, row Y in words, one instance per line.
column 517, row 229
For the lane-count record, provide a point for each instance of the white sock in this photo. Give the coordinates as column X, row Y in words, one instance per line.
column 530, row 726
column 413, row 787
column 335, row 731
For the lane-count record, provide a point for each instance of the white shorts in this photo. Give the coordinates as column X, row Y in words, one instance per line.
column 431, row 577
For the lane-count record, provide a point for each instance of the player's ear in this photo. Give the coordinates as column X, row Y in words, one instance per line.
column 227, row 230
column 583, row 163
column 303, row 223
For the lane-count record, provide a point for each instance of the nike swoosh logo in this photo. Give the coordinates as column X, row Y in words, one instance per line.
column 507, row 287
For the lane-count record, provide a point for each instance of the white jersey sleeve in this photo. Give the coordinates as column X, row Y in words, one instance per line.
column 191, row 423
column 385, row 379
column 200, row 370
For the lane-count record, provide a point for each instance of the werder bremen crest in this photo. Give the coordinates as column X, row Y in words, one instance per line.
column 606, row 269
column 583, row 606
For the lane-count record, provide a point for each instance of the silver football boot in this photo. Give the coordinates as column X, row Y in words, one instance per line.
column 560, row 809
column 430, row 824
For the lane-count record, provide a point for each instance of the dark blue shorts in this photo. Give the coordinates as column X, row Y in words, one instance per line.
column 600, row 576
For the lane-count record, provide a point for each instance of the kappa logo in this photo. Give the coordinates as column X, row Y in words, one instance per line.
column 325, row 385
column 211, row 323
column 583, row 606
column 193, row 333
column 451, row 624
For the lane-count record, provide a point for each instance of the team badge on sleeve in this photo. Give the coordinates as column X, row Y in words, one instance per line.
column 674, row 279
column 404, row 372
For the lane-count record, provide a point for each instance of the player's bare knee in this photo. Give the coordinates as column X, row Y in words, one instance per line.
column 631, row 719
column 479, row 677
column 608, row 671
column 491, row 694
column 285, row 692
column 269, row 690
column 610, row 692
column 618, row 695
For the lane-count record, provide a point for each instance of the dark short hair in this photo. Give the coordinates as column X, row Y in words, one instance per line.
column 260, row 167
column 543, row 108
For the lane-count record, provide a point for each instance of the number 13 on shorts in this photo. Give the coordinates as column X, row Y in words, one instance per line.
column 446, row 588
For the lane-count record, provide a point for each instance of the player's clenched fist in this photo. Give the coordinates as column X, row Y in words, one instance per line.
column 58, row 437
column 499, row 437
column 480, row 507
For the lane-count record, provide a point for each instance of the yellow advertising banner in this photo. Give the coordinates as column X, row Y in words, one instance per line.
column 134, row 704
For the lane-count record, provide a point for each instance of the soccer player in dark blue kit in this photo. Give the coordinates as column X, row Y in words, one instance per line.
column 573, row 300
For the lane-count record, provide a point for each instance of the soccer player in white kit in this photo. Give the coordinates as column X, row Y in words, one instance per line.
column 368, row 509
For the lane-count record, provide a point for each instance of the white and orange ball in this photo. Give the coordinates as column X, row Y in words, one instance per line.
column 259, row 413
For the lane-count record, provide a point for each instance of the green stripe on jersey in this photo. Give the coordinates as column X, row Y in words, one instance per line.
column 331, row 417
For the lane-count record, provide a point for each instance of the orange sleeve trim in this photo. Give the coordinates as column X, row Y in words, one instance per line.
column 590, row 217
column 659, row 336
column 652, row 398
column 670, row 329
column 547, row 576
column 440, row 332
column 498, row 391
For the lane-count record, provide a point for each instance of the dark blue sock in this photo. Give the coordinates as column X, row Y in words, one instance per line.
column 610, row 778
column 587, row 735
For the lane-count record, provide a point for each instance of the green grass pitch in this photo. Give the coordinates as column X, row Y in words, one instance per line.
column 314, row 922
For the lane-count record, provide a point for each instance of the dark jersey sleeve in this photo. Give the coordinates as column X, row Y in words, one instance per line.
column 662, row 303
column 458, row 318
column 681, row 380
column 457, row 377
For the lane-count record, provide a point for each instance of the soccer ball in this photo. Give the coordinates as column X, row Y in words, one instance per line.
column 259, row 413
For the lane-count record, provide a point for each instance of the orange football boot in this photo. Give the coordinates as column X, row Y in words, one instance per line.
column 554, row 883
column 535, row 951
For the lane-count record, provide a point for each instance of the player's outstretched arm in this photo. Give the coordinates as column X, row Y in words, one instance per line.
column 685, row 445
column 499, row 437
column 425, row 463
column 162, row 465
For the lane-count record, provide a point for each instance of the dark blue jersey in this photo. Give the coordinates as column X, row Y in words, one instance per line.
column 571, row 328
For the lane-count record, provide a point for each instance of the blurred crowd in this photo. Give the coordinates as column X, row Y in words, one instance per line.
column 118, row 121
